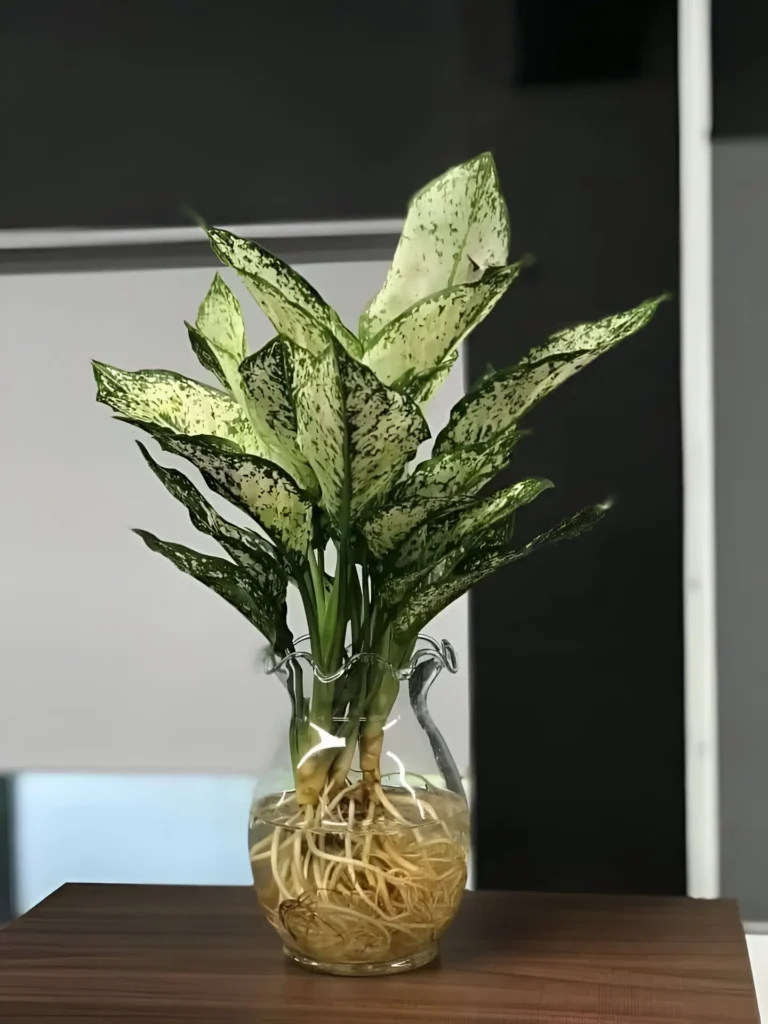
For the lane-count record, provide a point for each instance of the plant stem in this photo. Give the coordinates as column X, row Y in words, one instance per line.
column 318, row 582
column 366, row 612
column 310, row 610
column 355, row 617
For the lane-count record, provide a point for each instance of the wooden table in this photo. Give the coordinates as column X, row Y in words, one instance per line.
column 181, row 954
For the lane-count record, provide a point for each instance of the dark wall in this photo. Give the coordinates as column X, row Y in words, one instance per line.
column 122, row 111
column 577, row 653
column 739, row 68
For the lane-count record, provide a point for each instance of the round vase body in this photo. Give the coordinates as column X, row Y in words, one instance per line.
column 359, row 847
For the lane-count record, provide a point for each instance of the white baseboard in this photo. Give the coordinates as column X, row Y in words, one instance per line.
column 758, row 957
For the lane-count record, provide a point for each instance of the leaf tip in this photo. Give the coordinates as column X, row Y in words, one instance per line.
column 193, row 215
column 100, row 374
column 156, row 468
column 485, row 159
column 149, row 538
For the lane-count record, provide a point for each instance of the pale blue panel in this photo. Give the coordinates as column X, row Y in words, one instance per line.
column 172, row 829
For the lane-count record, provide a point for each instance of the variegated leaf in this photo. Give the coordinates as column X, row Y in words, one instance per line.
column 429, row 332
column 161, row 398
column 356, row 433
column 463, row 470
column 295, row 308
column 267, row 377
column 567, row 529
column 204, row 353
column 456, row 227
column 437, row 537
column 421, row 387
column 426, row 601
column 232, row 583
column 245, row 547
column 392, row 590
column 505, row 397
column 389, row 525
column 218, row 336
column 260, row 488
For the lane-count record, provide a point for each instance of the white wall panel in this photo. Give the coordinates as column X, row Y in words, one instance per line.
column 111, row 660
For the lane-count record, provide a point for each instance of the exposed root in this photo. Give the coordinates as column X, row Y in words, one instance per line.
column 365, row 876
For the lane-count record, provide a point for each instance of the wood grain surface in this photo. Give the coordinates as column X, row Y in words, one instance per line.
column 184, row 954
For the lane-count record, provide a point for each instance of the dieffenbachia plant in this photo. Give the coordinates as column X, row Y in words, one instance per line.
column 314, row 436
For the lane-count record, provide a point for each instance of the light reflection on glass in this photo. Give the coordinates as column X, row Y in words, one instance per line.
column 327, row 740
column 404, row 781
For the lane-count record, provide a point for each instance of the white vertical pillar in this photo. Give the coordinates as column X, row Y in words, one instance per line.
column 701, row 775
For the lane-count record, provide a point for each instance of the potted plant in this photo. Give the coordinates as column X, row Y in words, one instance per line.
column 359, row 842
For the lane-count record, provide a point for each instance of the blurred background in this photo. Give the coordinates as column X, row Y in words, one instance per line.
column 631, row 143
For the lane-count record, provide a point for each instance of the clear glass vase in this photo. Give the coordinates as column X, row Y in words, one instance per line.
column 359, row 834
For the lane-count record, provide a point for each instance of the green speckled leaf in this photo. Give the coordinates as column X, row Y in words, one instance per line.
column 429, row 332
column 389, row 525
column 437, row 537
column 567, row 529
column 260, row 488
column 218, row 336
column 229, row 581
column 356, row 433
column 421, row 387
column 392, row 590
column 463, row 470
column 505, row 397
column 456, row 227
column 204, row 353
column 295, row 308
column 161, row 398
column 426, row 600
column 267, row 377
column 321, row 426
column 253, row 552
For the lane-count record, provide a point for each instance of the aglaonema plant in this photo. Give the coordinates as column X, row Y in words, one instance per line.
column 314, row 436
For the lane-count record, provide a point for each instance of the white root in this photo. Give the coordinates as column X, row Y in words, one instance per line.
column 340, row 796
column 341, row 885
column 385, row 802
column 263, row 849
column 348, row 839
column 336, row 859
column 276, row 872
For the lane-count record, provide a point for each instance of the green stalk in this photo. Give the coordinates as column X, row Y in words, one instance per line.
column 302, row 737
column 310, row 609
column 355, row 616
column 366, row 612
column 350, row 728
column 381, row 700
column 318, row 582
column 380, row 705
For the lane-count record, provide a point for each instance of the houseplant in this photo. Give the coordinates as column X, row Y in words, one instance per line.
column 313, row 436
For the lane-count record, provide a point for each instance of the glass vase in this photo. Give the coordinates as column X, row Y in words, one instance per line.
column 359, row 834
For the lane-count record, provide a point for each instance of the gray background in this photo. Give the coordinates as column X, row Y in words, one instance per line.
column 740, row 169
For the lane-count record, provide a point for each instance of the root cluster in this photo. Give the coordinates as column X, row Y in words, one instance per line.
column 364, row 877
